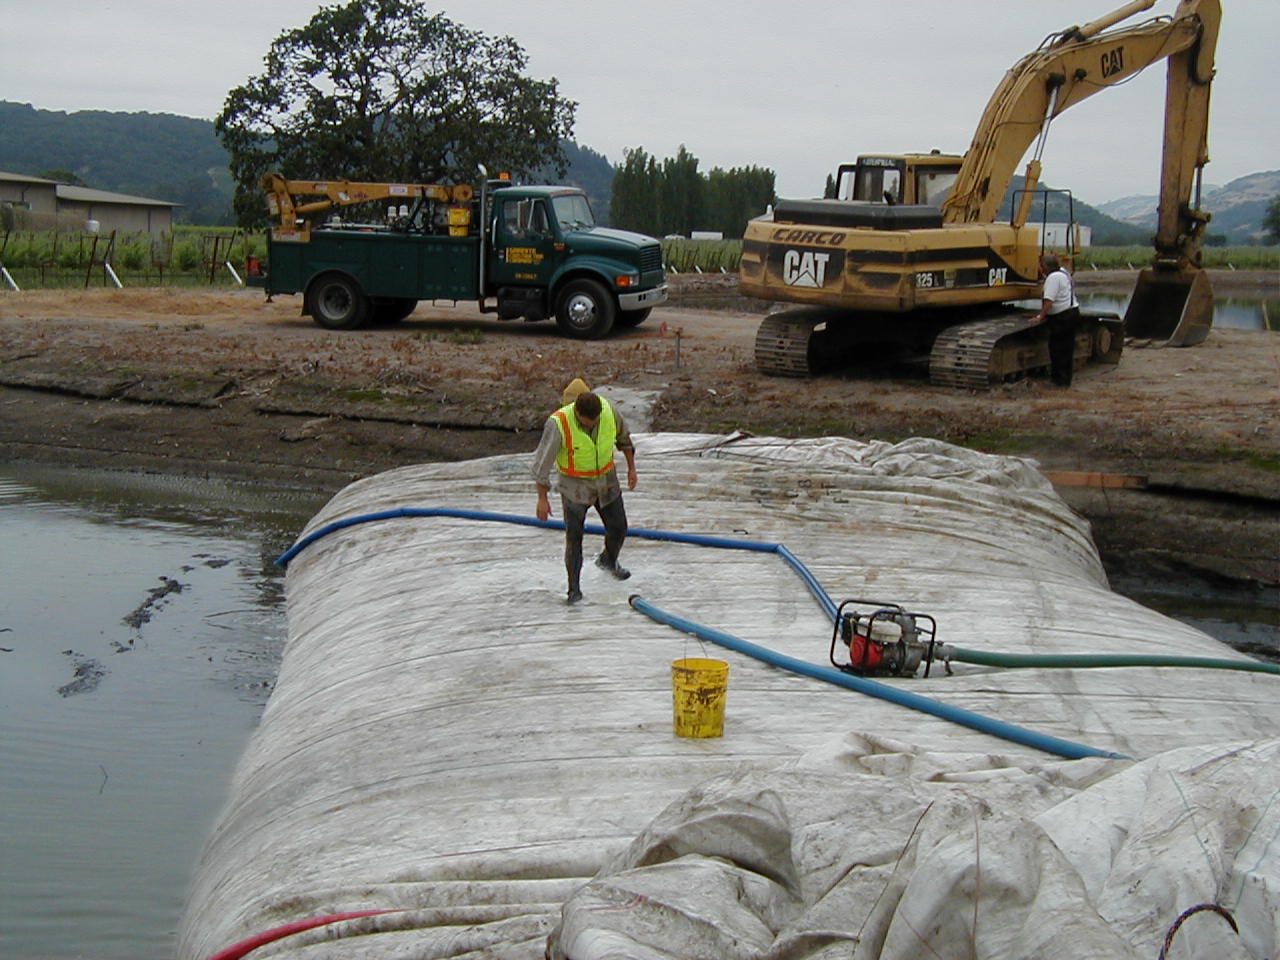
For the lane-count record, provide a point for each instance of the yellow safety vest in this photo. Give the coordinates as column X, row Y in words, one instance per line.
column 579, row 455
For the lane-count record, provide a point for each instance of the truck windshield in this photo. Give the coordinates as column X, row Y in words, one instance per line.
column 572, row 211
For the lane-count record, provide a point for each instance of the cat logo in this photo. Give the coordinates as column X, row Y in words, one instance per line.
column 805, row 268
column 1112, row 62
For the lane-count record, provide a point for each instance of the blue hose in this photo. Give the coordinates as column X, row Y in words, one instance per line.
column 701, row 540
column 998, row 728
column 966, row 718
column 284, row 558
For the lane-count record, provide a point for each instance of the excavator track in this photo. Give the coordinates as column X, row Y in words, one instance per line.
column 782, row 344
column 972, row 355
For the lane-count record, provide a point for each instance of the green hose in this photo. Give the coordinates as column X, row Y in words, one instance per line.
column 990, row 659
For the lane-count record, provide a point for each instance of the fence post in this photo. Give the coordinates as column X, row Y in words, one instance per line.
column 8, row 278
column 105, row 262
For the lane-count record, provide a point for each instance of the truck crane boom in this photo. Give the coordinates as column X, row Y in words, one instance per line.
column 292, row 215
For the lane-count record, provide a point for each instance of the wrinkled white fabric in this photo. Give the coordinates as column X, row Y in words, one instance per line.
column 976, row 859
column 449, row 741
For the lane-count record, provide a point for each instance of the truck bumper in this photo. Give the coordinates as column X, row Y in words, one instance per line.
column 643, row 299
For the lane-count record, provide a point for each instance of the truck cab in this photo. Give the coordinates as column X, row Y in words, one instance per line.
column 546, row 257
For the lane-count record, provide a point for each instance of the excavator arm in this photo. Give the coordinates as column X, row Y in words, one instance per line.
column 1070, row 67
column 1173, row 300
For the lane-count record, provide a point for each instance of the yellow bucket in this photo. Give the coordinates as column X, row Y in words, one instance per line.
column 698, row 689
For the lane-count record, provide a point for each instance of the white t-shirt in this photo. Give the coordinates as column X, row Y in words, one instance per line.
column 1059, row 291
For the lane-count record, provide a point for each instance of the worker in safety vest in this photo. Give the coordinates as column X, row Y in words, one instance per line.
column 579, row 439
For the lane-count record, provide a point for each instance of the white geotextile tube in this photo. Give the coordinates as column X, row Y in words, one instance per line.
column 450, row 741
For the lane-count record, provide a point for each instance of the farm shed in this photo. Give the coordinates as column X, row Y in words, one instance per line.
column 68, row 207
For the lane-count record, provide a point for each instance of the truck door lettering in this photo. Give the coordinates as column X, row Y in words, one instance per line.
column 1113, row 62
column 523, row 255
column 804, row 268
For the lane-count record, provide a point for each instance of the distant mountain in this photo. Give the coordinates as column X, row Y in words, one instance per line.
column 1107, row 231
column 179, row 159
column 1237, row 208
column 590, row 171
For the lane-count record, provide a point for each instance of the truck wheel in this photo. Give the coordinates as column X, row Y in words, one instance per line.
column 336, row 302
column 633, row 318
column 388, row 310
column 585, row 310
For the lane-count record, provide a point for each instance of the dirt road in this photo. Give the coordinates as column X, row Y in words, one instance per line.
column 217, row 382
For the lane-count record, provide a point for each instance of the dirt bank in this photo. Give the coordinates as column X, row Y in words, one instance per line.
column 223, row 382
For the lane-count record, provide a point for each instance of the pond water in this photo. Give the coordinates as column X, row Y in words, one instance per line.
column 141, row 625
column 1236, row 313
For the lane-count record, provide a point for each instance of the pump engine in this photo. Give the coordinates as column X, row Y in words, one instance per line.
column 884, row 639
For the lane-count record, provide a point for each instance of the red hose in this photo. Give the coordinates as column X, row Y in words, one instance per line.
column 244, row 947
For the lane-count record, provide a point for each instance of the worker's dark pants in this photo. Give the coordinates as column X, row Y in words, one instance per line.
column 614, row 516
column 1062, row 345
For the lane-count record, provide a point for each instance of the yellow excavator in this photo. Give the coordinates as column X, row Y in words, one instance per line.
column 908, row 256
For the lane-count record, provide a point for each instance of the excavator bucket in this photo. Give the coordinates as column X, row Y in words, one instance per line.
column 1175, row 306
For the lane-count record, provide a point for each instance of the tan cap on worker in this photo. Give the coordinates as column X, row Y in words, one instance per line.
column 576, row 386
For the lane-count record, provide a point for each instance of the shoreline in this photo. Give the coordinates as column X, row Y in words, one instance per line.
column 222, row 384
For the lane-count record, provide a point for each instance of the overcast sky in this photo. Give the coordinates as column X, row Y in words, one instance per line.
column 796, row 87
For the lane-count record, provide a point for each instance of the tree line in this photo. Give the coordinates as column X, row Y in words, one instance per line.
column 672, row 197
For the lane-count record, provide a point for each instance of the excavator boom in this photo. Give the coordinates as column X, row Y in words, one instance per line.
column 1173, row 300
column 1067, row 68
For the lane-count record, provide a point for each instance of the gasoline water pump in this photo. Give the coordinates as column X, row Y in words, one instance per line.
column 885, row 639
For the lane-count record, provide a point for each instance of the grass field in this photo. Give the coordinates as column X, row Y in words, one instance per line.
column 189, row 255
column 198, row 255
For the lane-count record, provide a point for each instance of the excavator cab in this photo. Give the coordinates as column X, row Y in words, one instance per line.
column 910, row 178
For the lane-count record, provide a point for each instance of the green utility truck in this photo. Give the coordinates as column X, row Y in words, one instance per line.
column 520, row 252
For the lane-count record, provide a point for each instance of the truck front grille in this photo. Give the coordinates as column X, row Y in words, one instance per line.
column 650, row 257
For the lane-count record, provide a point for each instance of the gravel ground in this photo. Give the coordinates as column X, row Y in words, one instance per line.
column 209, row 381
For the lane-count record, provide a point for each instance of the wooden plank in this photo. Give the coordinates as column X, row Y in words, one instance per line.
column 1085, row 478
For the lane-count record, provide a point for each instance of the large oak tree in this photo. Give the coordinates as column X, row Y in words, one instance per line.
column 382, row 90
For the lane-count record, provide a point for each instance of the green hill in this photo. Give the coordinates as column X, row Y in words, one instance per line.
column 1239, row 209
column 178, row 159
column 156, row 155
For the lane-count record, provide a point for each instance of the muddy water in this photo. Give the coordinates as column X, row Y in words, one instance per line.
column 141, row 624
